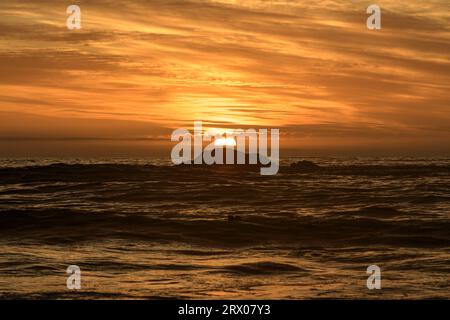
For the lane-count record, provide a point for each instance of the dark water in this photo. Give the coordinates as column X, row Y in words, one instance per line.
column 140, row 230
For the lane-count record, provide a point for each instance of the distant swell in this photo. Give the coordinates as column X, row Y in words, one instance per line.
column 56, row 226
column 105, row 172
column 306, row 203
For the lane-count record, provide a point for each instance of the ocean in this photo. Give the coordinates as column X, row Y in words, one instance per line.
column 144, row 229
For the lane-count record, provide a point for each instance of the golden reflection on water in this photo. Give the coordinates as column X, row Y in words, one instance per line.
column 112, row 269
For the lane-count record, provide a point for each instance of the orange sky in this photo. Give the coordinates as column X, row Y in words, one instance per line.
column 138, row 69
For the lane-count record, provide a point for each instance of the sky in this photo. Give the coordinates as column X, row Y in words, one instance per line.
column 139, row 69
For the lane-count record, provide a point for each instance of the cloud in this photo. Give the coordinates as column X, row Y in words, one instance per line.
column 295, row 65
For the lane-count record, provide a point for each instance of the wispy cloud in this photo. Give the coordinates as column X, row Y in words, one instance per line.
column 289, row 64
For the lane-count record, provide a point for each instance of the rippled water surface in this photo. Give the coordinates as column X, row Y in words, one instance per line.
column 144, row 229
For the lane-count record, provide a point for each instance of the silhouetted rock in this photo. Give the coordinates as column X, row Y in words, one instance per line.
column 246, row 156
column 304, row 165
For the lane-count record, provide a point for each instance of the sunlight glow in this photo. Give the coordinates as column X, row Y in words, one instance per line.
column 225, row 142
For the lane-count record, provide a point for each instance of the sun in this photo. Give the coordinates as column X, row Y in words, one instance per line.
column 225, row 142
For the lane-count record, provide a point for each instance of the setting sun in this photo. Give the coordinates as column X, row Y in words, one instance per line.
column 227, row 142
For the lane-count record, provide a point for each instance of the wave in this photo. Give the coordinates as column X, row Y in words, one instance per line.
column 306, row 203
column 262, row 268
column 66, row 226
column 303, row 165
